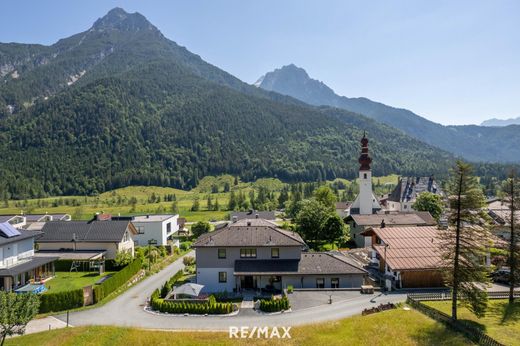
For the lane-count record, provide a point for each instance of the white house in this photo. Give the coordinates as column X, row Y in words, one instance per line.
column 18, row 266
column 158, row 227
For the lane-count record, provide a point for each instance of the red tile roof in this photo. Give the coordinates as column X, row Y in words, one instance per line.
column 410, row 248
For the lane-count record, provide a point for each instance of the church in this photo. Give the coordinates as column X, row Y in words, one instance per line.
column 367, row 212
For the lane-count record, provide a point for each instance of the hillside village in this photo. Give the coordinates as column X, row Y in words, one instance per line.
column 258, row 260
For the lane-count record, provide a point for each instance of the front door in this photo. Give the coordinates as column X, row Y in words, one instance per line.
column 249, row 282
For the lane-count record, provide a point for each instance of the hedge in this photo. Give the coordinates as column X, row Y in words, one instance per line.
column 64, row 266
column 168, row 285
column 209, row 307
column 117, row 280
column 274, row 305
column 59, row 301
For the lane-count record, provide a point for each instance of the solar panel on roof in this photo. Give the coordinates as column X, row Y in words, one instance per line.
column 8, row 230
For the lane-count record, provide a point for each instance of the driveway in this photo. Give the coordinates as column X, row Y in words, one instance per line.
column 127, row 310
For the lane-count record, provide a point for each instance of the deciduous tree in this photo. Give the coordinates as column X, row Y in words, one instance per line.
column 431, row 203
column 16, row 310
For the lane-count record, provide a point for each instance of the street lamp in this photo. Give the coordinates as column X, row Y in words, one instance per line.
column 150, row 243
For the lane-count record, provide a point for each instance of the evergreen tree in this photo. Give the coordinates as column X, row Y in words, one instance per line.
column 511, row 191
column 196, row 204
column 232, row 205
column 209, row 203
column 463, row 244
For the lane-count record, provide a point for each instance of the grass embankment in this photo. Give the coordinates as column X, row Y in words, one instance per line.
column 396, row 327
column 66, row 281
column 502, row 321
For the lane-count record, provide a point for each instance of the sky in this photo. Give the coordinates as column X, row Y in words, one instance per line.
column 453, row 62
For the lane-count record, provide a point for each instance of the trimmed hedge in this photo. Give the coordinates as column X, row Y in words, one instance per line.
column 204, row 307
column 59, row 301
column 274, row 305
column 117, row 280
column 168, row 285
column 64, row 266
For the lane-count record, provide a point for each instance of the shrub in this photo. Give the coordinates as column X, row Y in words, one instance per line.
column 274, row 305
column 59, row 301
column 117, row 280
column 185, row 245
column 290, row 288
column 163, row 251
column 188, row 260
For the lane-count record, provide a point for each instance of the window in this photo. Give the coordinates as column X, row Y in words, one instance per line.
column 320, row 283
column 247, row 253
column 222, row 276
column 221, row 253
column 334, row 283
column 140, row 229
column 275, row 252
column 364, row 175
column 168, row 227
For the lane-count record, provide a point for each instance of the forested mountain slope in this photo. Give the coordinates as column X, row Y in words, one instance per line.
column 143, row 110
column 475, row 143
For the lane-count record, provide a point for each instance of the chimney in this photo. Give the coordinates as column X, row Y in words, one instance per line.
column 235, row 218
column 383, row 225
column 148, row 216
column 256, row 216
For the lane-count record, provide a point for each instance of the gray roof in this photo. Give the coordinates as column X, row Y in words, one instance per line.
column 312, row 263
column 35, row 262
column 249, row 232
column 409, row 188
column 6, row 218
column 23, row 235
column 84, row 231
column 252, row 214
column 416, row 218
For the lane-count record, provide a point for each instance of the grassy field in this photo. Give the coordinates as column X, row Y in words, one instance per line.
column 138, row 200
column 502, row 322
column 66, row 281
column 396, row 327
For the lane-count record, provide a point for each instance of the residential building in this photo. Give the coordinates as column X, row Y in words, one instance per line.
column 342, row 209
column 162, row 228
column 17, row 221
column 366, row 202
column 257, row 254
column 359, row 223
column 101, row 235
column 407, row 257
column 251, row 214
column 408, row 189
column 18, row 265
column 500, row 214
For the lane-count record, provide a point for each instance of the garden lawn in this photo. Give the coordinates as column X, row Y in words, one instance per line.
column 66, row 281
column 502, row 322
column 396, row 327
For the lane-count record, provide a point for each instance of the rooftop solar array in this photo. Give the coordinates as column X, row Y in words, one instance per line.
column 7, row 230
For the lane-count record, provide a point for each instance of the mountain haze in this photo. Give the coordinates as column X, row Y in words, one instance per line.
column 120, row 104
column 475, row 143
column 501, row 122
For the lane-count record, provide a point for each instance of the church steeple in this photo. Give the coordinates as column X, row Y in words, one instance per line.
column 364, row 159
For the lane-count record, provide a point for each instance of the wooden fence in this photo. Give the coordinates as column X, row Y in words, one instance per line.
column 467, row 329
column 446, row 295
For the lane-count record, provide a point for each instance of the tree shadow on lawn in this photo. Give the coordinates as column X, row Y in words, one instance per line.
column 510, row 312
column 439, row 334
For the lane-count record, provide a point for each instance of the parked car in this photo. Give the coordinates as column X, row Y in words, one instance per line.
column 501, row 275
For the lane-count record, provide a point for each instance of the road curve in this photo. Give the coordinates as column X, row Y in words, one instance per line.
column 127, row 310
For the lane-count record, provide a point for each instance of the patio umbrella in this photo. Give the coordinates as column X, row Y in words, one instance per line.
column 189, row 289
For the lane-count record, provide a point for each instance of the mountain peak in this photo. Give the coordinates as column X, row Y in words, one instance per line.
column 118, row 19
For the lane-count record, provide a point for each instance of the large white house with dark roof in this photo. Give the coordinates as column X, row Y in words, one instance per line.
column 257, row 254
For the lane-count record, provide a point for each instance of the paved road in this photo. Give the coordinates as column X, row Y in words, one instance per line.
column 127, row 310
